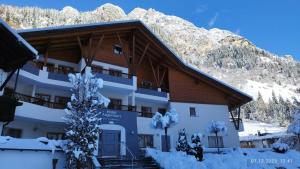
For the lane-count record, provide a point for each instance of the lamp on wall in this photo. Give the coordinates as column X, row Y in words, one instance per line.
column 132, row 132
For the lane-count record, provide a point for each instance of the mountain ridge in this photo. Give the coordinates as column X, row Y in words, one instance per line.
column 220, row 53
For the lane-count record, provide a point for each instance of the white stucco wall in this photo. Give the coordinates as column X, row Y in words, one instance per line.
column 206, row 113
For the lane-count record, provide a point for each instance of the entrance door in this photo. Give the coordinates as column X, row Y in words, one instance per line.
column 109, row 143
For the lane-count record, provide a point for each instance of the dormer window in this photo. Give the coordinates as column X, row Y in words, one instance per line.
column 117, row 49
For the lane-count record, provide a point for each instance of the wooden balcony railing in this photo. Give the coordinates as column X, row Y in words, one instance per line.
column 40, row 101
column 122, row 107
column 56, row 105
column 114, row 73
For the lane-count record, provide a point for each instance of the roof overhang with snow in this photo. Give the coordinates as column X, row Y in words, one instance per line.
column 40, row 38
column 15, row 51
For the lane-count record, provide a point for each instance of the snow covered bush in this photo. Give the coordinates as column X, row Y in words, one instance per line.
column 217, row 128
column 182, row 144
column 195, row 148
column 83, row 118
column 294, row 127
column 280, row 147
column 164, row 122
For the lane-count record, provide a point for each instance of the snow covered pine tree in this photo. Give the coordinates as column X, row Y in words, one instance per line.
column 164, row 122
column 83, row 118
column 217, row 128
column 195, row 148
column 182, row 144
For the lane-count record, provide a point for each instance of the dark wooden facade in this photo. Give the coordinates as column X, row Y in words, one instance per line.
column 143, row 54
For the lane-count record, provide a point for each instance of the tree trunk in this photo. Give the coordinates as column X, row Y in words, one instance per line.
column 217, row 141
column 166, row 138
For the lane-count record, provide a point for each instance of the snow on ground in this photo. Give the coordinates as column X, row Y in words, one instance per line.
column 251, row 128
column 238, row 159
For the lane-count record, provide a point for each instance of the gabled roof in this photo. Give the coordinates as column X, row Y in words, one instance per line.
column 15, row 51
column 243, row 97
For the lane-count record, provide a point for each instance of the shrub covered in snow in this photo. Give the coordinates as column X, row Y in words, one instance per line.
column 195, row 148
column 217, row 128
column 280, row 147
column 83, row 118
column 164, row 122
column 182, row 144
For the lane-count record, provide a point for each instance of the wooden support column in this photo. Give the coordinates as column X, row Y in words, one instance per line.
column 153, row 71
column 124, row 53
column 46, row 52
column 88, row 53
column 133, row 54
column 143, row 55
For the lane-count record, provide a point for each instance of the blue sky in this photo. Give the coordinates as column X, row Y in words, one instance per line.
column 270, row 24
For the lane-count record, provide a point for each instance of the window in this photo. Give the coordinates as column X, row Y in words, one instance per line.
column 97, row 69
column 55, row 136
column 65, row 69
column 193, row 112
column 162, row 111
column 146, row 84
column 43, row 99
column 61, row 100
column 145, row 140
column 38, row 64
column 146, row 111
column 114, row 72
column 115, row 104
column 117, row 49
column 212, row 141
column 12, row 132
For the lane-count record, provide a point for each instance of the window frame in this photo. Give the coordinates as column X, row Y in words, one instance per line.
column 115, row 50
column 194, row 111
column 213, row 144
column 145, row 141
column 17, row 131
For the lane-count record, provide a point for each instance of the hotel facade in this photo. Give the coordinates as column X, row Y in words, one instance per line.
column 141, row 76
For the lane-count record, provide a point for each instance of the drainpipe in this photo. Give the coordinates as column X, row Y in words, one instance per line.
column 3, row 76
column 1, row 127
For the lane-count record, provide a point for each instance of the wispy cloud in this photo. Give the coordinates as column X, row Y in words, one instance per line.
column 213, row 20
column 201, row 9
column 238, row 31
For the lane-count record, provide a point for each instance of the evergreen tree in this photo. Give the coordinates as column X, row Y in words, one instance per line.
column 83, row 118
column 182, row 144
column 195, row 148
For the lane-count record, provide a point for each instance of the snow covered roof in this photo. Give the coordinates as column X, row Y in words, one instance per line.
column 15, row 51
column 236, row 92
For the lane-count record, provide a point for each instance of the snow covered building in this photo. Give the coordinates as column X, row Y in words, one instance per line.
column 141, row 76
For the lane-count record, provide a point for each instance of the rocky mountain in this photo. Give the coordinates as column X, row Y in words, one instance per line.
column 220, row 53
